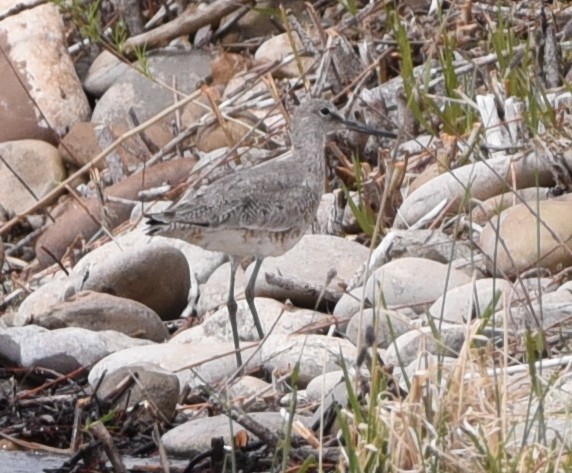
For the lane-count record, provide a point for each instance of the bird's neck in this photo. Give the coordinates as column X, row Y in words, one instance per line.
column 308, row 148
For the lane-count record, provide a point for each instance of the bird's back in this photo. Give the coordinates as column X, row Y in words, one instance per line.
column 259, row 211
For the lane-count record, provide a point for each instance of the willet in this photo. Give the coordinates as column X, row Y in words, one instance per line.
column 264, row 210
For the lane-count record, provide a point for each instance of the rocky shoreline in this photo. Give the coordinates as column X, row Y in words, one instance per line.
column 448, row 254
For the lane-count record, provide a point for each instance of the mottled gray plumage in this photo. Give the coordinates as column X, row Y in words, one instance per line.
column 264, row 210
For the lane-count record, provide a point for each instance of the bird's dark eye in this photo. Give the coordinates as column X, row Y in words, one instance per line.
column 324, row 111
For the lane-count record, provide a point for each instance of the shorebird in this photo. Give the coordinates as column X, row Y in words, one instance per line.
column 263, row 210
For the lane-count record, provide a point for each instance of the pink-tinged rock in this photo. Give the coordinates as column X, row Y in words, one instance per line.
column 277, row 48
column 37, row 60
column 523, row 238
column 98, row 311
column 35, row 162
column 80, row 145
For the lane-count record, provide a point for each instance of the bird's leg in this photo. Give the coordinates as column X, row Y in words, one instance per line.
column 249, row 295
column 232, row 307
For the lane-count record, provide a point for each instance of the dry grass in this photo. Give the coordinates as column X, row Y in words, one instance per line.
column 463, row 415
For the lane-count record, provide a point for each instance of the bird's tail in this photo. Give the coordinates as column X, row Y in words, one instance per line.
column 157, row 223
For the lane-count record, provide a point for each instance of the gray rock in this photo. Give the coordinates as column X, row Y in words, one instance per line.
column 201, row 262
column 550, row 431
column 117, row 341
column 323, row 385
column 429, row 244
column 413, row 282
column 309, row 263
column 12, row 338
column 388, row 325
column 97, row 311
column 551, row 316
column 62, row 350
column 535, row 287
column 50, row 293
column 287, row 399
column 251, row 393
column 193, row 363
column 147, row 383
column 456, row 307
column 482, row 178
column 428, row 368
column 565, row 288
column 194, row 437
column 315, row 353
column 146, row 97
column 532, row 434
column 290, row 320
column 338, row 395
column 560, row 295
column 474, row 265
column 408, row 346
column 214, row 293
column 155, row 274
column 248, row 386
column 103, row 72
column 348, row 304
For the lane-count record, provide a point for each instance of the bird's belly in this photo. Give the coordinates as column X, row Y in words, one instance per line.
column 241, row 242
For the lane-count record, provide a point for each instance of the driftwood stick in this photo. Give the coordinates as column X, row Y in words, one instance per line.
column 261, row 431
column 19, row 7
column 184, row 24
column 303, row 287
column 100, row 433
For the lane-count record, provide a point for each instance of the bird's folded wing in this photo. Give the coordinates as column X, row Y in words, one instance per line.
column 273, row 208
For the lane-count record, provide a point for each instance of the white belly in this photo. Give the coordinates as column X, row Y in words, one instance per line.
column 239, row 242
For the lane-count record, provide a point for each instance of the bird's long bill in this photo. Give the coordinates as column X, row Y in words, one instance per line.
column 368, row 130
